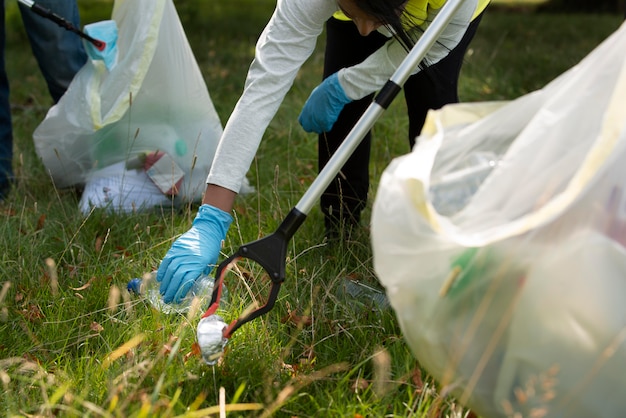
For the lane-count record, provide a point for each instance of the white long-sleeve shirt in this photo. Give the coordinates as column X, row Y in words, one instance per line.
column 284, row 45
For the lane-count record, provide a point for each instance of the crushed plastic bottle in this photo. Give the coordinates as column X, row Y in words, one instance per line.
column 211, row 339
column 452, row 191
column 149, row 287
column 357, row 291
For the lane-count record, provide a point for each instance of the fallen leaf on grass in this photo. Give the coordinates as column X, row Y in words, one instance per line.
column 30, row 358
column 416, row 378
column 124, row 251
column 98, row 244
column 289, row 368
column 85, row 286
column 295, row 319
column 168, row 347
column 40, row 222
column 96, row 327
column 195, row 352
column 359, row 385
column 32, row 313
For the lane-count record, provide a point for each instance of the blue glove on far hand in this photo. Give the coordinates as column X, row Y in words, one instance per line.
column 322, row 108
column 193, row 254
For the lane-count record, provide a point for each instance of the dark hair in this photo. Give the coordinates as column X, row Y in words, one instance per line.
column 392, row 15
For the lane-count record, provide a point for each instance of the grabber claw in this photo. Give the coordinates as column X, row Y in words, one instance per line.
column 269, row 252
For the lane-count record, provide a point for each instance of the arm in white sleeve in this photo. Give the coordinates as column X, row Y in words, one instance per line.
column 369, row 76
column 284, row 45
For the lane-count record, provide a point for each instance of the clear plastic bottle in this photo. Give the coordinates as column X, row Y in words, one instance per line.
column 149, row 288
column 355, row 290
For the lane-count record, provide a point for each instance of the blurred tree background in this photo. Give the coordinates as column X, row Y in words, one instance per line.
column 584, row 6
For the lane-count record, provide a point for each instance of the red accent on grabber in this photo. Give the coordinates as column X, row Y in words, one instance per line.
column 218, row 285
column 227, row 332
column 100, row 45
column 213, row 308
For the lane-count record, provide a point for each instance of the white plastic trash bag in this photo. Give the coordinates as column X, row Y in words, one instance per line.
column 153, row 100
column 501, row 242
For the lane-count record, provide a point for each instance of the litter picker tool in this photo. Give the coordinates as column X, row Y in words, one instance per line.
column 43, row 12
column 270, row 252
column 93, row 34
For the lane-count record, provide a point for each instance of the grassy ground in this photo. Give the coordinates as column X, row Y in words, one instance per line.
column 72, row 341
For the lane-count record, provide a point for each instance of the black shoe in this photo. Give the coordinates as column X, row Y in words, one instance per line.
column 339, row 229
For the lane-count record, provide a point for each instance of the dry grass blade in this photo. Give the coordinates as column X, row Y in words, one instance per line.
column 300, row 382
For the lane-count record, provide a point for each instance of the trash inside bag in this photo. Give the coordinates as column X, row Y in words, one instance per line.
column 501, row 243
column 120, row 190
column 153, row 99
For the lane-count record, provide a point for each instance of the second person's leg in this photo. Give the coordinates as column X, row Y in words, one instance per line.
column 6, row 133
column 59, row 52
column 346, row 196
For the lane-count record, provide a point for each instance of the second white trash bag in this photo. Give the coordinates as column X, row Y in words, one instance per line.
column 514, row 299
column 154, row 99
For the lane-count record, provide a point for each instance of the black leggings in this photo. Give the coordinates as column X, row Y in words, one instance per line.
column 432, row 88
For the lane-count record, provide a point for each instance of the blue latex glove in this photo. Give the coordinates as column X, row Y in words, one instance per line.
column 193, row 254
column 105, row 31
column 322, row 108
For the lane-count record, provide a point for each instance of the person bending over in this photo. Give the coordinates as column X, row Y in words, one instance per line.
column 366, row 41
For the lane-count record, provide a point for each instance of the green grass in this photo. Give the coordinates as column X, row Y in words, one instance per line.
column 73, row 343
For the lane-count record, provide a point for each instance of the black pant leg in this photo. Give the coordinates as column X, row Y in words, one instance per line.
column 346, row 196
column 436, row 85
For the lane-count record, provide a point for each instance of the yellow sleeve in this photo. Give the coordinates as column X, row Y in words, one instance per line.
column 340, row 16
column 418, row 10
column 482, row 5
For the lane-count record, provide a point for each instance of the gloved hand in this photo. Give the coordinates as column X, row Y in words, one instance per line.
column 193, row 254
column 322, row 108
